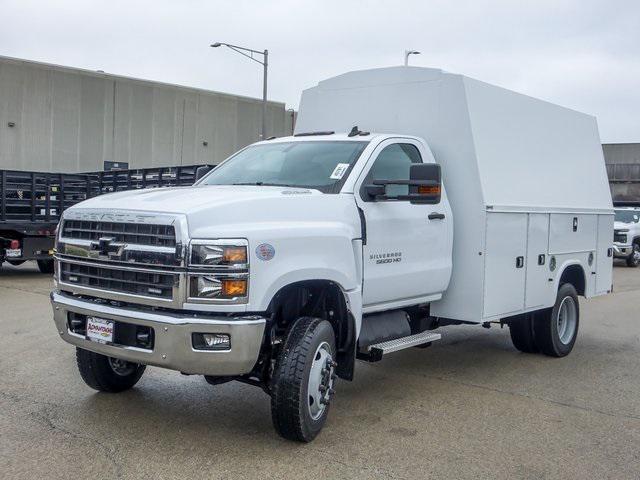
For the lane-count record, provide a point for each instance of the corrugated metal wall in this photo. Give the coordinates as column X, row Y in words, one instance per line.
column 69, row 120
column 623, row 169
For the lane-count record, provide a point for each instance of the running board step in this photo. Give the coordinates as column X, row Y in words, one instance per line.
column 377, row 350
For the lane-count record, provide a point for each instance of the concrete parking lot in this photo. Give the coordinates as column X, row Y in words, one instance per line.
column 469, row 407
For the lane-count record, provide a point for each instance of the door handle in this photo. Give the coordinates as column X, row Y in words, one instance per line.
column 435, row 216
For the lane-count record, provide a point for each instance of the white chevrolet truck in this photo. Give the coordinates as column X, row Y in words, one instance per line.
column 626, row 235
column 454, row 202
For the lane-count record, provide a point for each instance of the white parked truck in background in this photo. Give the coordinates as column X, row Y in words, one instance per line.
column 626, row 235
column 470, row 204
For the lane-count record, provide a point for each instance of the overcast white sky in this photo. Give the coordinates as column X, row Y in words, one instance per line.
column 583, row 54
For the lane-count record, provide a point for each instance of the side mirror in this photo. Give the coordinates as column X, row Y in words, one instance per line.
column 425, row 186
column 201, row 172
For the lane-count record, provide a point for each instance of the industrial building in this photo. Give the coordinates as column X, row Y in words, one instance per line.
column 61, row 119
column 623, row 169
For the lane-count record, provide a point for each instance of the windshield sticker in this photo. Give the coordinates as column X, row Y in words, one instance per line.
column 339, row 171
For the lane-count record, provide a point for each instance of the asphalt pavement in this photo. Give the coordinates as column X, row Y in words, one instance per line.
column 471, row 406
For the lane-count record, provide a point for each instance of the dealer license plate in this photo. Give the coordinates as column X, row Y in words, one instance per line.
column 99, row 329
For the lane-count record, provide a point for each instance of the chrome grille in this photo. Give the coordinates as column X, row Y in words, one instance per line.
column 135, row 233
column 128, row 281
column 619, row 237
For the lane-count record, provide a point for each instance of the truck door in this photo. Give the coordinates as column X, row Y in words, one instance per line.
column 407, row 255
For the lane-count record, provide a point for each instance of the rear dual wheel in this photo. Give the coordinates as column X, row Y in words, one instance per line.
column 552, row 331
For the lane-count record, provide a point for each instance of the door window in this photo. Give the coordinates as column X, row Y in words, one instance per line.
column 393, row 163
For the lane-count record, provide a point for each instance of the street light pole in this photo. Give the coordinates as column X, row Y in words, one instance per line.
column 406, row 56
column 249, row 53
column 264, row 94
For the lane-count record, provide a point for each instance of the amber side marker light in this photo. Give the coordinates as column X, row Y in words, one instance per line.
column 234, row 288
column 429, row 189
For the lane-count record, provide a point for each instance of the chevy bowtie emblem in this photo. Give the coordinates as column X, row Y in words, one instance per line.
column 106, row 247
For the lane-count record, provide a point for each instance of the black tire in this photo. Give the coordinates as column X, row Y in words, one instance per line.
column 522, row 336
column 45, row 266
column 547, row 336
column 98, row 372
column 633, row 260
column 290, row 396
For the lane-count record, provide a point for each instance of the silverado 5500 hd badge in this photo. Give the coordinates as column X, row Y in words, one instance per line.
column 391, row 257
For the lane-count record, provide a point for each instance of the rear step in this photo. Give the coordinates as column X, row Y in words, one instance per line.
column 377, row 350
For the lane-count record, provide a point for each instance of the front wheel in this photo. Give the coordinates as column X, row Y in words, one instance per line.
column 556, row 328
column 303, row 380
column 633, row 260
column 107, row 374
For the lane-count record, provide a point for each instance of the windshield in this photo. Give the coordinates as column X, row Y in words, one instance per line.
column 319, row 165
column 627, row 216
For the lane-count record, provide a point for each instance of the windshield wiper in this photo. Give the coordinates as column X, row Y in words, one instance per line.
column 266, row 184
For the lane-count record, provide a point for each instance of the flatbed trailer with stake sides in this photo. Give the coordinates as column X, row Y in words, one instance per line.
column 31, row 204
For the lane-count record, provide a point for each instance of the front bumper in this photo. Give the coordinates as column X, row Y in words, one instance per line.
column 622, row 251
column 172, row 347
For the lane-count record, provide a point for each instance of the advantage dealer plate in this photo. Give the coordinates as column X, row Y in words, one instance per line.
column 99, row 329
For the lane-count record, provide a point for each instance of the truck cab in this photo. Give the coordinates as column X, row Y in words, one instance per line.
column 322, row 225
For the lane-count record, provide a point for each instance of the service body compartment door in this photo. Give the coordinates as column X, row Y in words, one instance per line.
column 571, row 233
column 604, row 262
column 539, row 290
column 504, row 271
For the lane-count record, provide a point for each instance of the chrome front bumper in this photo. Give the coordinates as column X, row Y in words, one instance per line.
column 622, row 251
column 172, row 347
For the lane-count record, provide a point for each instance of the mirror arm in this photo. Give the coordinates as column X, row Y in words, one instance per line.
column 411, row 183
column 400, row 197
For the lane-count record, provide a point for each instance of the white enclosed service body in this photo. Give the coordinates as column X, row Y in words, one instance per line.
column 526, row 180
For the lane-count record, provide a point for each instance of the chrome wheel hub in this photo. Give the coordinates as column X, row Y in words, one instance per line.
column 321, row 379
column 566, row 320
column 122, row 367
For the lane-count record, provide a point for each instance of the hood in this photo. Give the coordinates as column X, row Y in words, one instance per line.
column 621, row 225
column 220, row 210
column 189, row 200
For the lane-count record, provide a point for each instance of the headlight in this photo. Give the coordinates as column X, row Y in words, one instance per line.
column 217, row 287
column 211, row 254
column 218, row 271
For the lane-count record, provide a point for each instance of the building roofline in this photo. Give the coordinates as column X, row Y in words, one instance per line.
column 111, row 76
